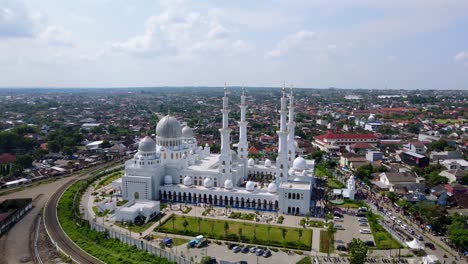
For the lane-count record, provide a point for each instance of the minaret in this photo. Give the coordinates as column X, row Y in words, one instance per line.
column 226, row 156
column 242, row 147
column 291, row 127
column 282, row 160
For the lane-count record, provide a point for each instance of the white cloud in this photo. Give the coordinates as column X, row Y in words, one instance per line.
column 461, row 56
column 181, row 32
column 300, row 40
column 56, row 35
column 16, row 21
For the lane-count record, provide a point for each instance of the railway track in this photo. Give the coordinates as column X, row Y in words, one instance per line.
column 55, row 231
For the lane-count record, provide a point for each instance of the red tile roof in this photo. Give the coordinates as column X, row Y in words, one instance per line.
column 331, row 135
column 6, row 158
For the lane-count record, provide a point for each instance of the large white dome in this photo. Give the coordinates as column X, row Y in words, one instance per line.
column 228, row 185
column 267, row 163
column 188, row 181
column 147, row 145
column 168, row 180
column 299, row 164
column 250, row 162
column 272, row 188
column 250, row 186
column 208, row 182
column 168, row 127
column 187, row 132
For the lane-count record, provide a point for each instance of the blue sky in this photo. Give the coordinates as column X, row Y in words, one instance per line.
column 399, row 44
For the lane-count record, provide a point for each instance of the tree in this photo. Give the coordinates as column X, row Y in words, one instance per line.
column 24, row 161
column 357, row 251
column 240, row 234
column 185, row 223
column 198, row 222
column 226, row 228
column 283, row 234
column 331, row 230
column 173, row 222
column 106, row 144
column 457, row 231
column 299, row 234
column 392, row 196
column 268, row 231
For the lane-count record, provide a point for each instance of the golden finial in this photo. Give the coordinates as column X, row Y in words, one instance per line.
column 284, row 86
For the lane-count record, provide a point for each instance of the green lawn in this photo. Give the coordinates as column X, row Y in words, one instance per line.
column 383, row 240
column 335, row 184
column 326, row 244
column 110, row 178
column 352, row 204
column 251, row 233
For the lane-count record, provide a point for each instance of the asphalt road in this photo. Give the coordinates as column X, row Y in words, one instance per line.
column 56, row 233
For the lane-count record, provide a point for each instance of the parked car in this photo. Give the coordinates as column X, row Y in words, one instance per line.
column 338, row 220
column 245, row 249
column 339, row 227
column 404, row 226
column 341, row 248
column 231, row 246
column 369, row 243
column 259, row 252
column 419, row 237
column 337, row 217
column 365, row 231
column 362, row 220
column 363, row 224
column 360, row 214
column 236, row 249
column 430, row 245
column 252, row 249
column 267, row 253
column 241, row 262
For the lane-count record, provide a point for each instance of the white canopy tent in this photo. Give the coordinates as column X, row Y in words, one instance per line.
column 415, row 244
column 430, row 259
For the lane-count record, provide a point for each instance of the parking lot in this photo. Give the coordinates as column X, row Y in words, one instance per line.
column 221, row 252
column 350, row 230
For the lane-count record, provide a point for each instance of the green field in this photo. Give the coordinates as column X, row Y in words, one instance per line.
column 97, row 243
column 383, row 240
column 109, row 178
column 334, row 184
column 251, row 233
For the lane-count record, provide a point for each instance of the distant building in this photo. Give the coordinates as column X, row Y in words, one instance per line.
column 414, row 159
column 374, row 156
column 331, row 142
column 455, row 175
column 399, row 181
column 89, row 126
column 11, row 212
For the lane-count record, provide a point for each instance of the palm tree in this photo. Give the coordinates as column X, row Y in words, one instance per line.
column 226, row 228
column 283, row 233
column 173, row 221
column 185, row 223
column 212, row 228
column 199, row 221
column 240, row 234
column 299, row 234
column 268, row 231
column 331, row 230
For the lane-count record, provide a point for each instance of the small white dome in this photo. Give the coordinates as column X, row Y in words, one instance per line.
column 191, row 152
column 208, row 182
column 267, row 163
column 188, row 181
column 300, row 164
column 187, row 132
column 250, row 186
column 272, row 188
column 228, row 185
column 184, row 156
column 147, row 145
column 251, row 162
column 206, row 145
column 168, row 180
column 371, row 118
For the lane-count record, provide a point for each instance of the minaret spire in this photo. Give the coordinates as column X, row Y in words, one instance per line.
column 282, row 160
column 291, row 128
column 242, row 147
column 226, row 156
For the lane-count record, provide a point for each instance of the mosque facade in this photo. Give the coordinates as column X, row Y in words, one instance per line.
column 174, row 168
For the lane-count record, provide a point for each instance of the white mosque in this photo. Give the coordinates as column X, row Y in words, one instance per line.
column 174, row 168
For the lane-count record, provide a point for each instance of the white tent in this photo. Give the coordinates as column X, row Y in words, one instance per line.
column 430, row 259
column 415, row 244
